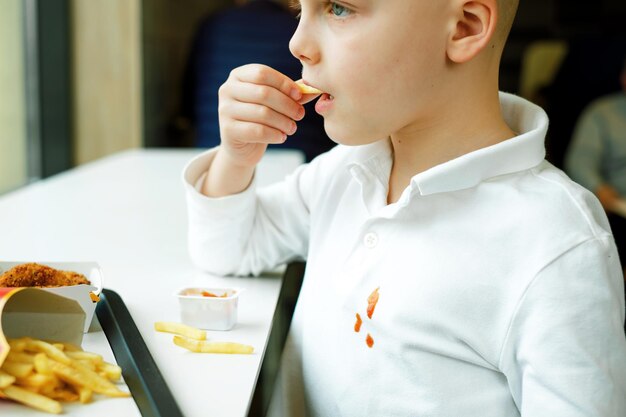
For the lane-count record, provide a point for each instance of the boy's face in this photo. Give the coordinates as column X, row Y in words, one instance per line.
column 381, row 62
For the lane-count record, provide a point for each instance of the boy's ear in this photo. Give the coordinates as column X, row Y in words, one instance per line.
column 475, row 27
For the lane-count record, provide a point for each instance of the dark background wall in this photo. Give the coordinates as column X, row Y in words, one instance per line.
column 558, row 19
column 168, row 27
column 595, row 35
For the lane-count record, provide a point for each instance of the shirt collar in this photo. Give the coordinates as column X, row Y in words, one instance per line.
column 519, row 153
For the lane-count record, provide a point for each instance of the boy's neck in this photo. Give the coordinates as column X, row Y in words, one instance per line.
column 463, row 127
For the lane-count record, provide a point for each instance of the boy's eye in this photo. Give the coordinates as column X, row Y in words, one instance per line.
column 339, row 10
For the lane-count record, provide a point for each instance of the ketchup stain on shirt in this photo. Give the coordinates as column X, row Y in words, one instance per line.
column 357, row 325
column 372, row 300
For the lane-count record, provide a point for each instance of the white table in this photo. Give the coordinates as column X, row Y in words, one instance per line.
column 127, row 212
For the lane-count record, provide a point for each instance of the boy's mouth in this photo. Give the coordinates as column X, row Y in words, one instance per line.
column 324, row 103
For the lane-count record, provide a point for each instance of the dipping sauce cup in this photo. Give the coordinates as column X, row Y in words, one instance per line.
column 208, row 308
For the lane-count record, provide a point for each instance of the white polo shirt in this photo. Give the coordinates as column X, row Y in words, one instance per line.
column 499, row 288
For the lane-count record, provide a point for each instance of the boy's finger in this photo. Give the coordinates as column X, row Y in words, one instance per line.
column 264, row 75
column 254, row 132
column 267, row 96
column 257, row 113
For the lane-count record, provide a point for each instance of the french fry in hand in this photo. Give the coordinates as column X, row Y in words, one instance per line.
column 307, row 89
column 200, row 346
column 180, row 329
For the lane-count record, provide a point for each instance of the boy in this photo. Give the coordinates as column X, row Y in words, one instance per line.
column 451, row 271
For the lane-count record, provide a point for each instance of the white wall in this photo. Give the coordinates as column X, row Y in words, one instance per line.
column 106, row 42
column 13, row 169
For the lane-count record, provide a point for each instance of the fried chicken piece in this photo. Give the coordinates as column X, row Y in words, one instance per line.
column 36, row 275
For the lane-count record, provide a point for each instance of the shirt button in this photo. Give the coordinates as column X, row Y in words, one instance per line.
column 370, row 240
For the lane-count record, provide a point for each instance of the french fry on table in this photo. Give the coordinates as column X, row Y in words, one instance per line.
column 6, row 379
column 82, row 355
column 180, row 329
column 84, row 395
column 64, row 394
column 79, row 375
column 34, row 380
column 53, row 352
column 68, row 347
column 20, row 357
column 41, row 375
column 17, row 345
column 32, row 399
column 110, row 371
column 59, row 346
column 41, row 364
column 200, row 346
column 17, row 369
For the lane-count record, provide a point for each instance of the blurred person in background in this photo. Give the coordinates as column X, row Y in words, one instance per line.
column 251, row 31
column 589, row 70
column 596, row 157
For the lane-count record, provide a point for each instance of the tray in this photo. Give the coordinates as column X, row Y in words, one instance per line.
column 150, row 392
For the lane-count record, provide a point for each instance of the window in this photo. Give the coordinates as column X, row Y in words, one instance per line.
column 35, row 133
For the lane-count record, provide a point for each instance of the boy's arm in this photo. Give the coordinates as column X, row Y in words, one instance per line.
column 248, row 232
column 565, row 352
column 226, row 177
column 231, row 230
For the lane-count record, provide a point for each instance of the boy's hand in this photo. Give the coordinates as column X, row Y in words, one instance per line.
column 257, row 106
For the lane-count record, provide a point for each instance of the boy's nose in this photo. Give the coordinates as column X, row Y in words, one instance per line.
column 302, row 45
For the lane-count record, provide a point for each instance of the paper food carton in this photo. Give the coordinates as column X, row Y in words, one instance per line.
column 39, row 314
column 85, row 295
